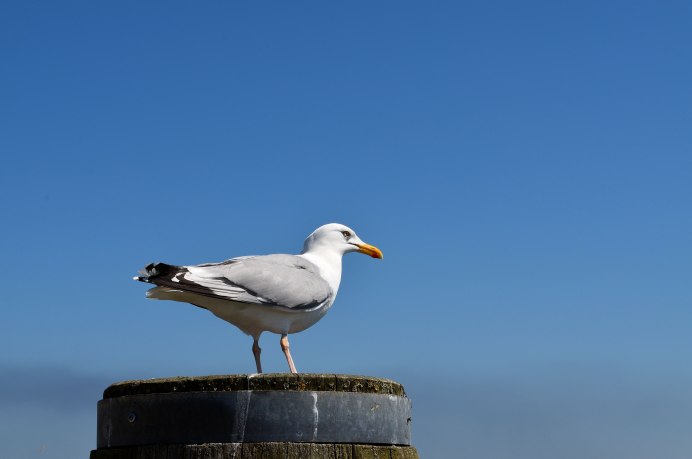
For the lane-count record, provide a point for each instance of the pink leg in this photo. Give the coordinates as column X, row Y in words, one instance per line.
column 256, row 351
column 287, row 352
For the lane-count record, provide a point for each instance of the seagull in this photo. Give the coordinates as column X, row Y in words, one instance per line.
column 278, row 293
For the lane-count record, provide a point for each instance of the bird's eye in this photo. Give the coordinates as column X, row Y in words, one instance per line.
column 347, row 234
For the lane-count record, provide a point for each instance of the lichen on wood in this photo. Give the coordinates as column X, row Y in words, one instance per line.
column 268, row 381
column 265, row 450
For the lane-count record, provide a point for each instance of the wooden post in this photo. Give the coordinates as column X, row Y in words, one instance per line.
column 269, row 416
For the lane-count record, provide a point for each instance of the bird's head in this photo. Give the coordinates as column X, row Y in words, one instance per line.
column 340, row 238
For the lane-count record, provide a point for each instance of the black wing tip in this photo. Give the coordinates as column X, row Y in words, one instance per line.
column 153, row 270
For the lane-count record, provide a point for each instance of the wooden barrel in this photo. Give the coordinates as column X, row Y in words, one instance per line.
column 255, row 416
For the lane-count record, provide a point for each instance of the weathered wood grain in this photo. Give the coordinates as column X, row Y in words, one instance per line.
column 267, row 450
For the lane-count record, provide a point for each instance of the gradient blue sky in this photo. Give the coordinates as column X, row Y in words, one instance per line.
column 526, row 167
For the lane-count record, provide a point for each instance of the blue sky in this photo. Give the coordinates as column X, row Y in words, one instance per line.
column 526, row 169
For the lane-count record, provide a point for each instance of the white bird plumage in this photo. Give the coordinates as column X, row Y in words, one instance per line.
column 282, row 294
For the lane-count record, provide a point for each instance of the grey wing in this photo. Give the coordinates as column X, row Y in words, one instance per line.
column 287, row 281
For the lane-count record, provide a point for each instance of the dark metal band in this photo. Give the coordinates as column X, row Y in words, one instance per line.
column 254, row 416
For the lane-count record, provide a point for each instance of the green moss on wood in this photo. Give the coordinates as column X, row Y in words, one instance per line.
column 266, row 450
column 268, row 381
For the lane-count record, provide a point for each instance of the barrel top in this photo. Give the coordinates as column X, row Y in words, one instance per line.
column 258, row 382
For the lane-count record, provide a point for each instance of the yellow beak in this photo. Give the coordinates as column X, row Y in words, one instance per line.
column 370, row 250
